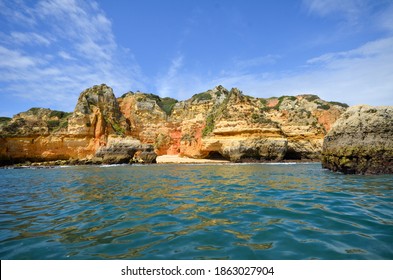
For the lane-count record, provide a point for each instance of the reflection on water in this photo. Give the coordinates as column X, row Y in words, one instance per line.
column 252, row 211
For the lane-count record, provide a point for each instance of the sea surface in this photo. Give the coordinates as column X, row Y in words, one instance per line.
column 229, row 211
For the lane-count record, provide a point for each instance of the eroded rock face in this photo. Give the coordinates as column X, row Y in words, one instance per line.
column 125, row 150
column 218, row 123
column 231, row 125
column 361, row 141
column 46, row 135
column 97, row 114
column 41, row 135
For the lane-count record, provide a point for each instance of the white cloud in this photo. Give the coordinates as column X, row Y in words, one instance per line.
column 168, row 83
column 86, row 25
column 359, row 76
column 29, row 38
column 59, row 49
column 20, row 13
column 65, row 55
column 352, row 10
column 12, row 59
column 54, row 49
column 362, row 75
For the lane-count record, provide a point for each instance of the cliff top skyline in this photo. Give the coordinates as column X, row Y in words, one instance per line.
column 50, row 51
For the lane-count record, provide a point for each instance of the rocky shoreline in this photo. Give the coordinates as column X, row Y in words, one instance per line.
column 218, row 125
column 165, row 159
column 136, row 127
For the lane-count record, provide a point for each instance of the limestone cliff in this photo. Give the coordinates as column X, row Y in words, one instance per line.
column 45, row 135
column 218, row 123
column 361, row 141
column 231, row 125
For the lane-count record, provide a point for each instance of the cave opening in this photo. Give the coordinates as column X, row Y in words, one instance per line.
column 216, row 156
column 291, row 154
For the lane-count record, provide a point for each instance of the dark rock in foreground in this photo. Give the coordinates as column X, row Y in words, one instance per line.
column 125, row 150
column 361, row 141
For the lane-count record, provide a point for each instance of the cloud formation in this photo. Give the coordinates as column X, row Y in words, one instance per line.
column 56, row 48
column 351, row 10
column 358, row 76
column 51, row 50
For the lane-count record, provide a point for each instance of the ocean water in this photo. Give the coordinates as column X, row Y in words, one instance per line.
column 231, row 211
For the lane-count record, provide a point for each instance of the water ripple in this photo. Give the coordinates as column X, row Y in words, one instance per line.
column 253, row 211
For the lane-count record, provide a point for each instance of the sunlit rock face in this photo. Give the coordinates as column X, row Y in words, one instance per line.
column 218, row 123
column 231, row 125
column 361, row 141
column 44, row 135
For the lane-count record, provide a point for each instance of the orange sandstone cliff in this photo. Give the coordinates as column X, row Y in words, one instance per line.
column 137, row 127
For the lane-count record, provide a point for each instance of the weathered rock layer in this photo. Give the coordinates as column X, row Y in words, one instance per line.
column 136, row 127
column 361, row 141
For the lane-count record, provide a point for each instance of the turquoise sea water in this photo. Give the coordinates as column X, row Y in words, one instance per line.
column 235, row 211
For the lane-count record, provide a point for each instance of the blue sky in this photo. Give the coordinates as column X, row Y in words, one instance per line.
column 51, row 50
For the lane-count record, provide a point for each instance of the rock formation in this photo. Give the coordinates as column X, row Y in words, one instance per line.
column 361, row 141
column 228, row 124
column 218, row 123
column 125, row 150
column 45, row 135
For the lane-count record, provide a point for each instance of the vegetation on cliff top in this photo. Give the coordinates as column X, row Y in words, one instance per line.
column 165, row 103
column 338, row 104
column 46, row 120
column 4, row 120
column 201, row 96
column 55, row 121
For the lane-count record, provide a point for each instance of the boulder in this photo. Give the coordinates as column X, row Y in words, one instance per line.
column 125, row 150
column 361, row 141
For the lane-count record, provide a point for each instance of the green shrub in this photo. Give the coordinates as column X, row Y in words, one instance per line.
column 323, row 106
column 59, row 114
column 311, row 97
column 281, row 99
column 56, row 125
column 339, row 104
column 167, row 104
column 126, row 94
column 53, row 124
column 14, row 127
column 201, row 96
column 209, row 125
column 305, row 112
column 117, row 128
column 4, row 120
column 292, row 98
column 64, row 124
column 34, row 110
column 259, row 118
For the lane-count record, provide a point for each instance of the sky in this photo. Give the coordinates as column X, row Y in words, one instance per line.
column 52, row 50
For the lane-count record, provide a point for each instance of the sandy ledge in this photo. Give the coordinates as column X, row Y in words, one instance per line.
column 178, row 159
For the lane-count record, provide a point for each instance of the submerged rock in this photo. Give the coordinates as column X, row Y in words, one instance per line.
column 361, row 141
